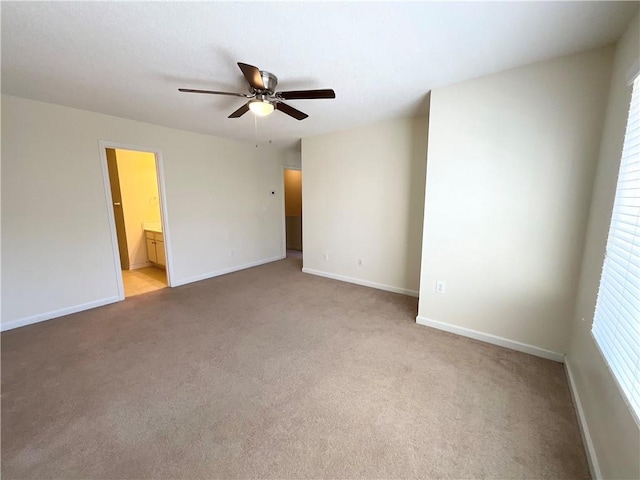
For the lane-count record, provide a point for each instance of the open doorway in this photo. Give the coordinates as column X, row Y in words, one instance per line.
column 137, row 212
column 293, row 211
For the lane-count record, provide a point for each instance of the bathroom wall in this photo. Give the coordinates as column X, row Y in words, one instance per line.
column 140, row 200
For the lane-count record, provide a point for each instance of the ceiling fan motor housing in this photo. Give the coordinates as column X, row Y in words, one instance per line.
column 270, row 82
column 263, row 99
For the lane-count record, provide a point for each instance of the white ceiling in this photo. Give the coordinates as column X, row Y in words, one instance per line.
column 128, row 59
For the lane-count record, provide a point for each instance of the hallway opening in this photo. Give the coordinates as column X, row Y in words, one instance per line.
column 293, row 209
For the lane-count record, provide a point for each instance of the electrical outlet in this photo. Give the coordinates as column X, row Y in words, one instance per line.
column 440, row 286
column 359, row 262
column 325, row 255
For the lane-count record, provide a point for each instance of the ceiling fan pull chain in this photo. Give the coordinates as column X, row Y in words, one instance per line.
column 255, row 123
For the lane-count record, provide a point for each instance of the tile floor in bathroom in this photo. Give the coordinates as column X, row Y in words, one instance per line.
column 143, row 280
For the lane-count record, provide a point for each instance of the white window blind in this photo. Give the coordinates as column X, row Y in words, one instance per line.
column 616, row 325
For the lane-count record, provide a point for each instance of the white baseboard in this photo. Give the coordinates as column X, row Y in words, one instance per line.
column 594, row 466
column 224, row 271
column 364, row 283
column 493, row 339
column 41, row 317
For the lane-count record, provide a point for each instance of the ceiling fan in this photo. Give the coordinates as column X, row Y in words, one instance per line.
column 263, row 97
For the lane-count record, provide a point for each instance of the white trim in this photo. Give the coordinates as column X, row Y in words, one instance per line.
column 224, row 271
column 41, row 317
column 594, row 466
column 166, row 232
column 633, row 71
column 364, row 283
column 284, row 210
column 117, row 267
column 623, row 394
column 493, row 339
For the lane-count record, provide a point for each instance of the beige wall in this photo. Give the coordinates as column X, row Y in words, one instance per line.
column 293, row 157
column 293, row 192
column 57, row 252
column 510, row 167
column 614, row 432
column 362, row 199
column 294, row 232
column 293, row 208
column 140, row 200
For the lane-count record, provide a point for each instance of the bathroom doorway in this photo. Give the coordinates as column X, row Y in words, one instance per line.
column 293, row 211
column 138, row 220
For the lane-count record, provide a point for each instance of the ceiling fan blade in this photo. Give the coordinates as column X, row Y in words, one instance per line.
column 307, row 94
column 241, row 111
column 252, row 74
column 289, row 110
column 212, row 92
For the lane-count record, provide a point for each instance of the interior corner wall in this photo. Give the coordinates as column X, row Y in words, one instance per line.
column 362, row 198
column 292, row 157
column 614, row 434
column 57, row 252
column 140, row 200
column 510, row 166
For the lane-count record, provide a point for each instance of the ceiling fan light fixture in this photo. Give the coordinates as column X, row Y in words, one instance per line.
column 264, row 98
column 261, row 108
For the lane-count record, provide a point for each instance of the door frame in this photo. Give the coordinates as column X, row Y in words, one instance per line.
column 103, row 145
column 284, row 211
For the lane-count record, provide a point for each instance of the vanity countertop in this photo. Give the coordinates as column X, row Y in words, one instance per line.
column 152, row 227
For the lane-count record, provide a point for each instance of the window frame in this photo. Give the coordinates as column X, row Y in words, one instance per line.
column 628, row 396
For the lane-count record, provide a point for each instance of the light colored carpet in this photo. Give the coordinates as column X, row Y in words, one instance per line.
column 272, row 373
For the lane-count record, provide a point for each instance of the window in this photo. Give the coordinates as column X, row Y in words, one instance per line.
column 616, row 325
